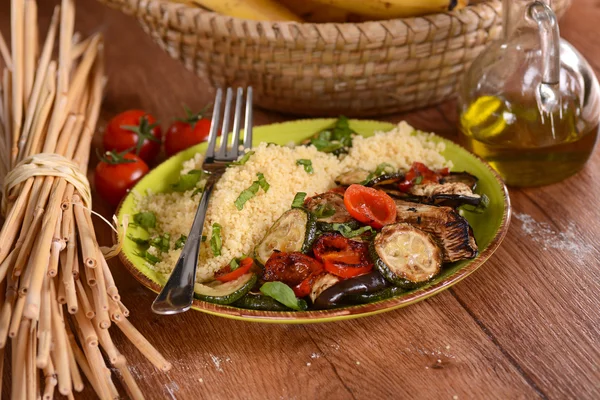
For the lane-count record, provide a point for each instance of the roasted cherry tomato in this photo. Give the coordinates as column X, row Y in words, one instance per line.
column 134, row 129
column 370, row 206
column 116, row 173
column 187, row 132
column 290, row 268
column 225, row 274
column 420, row 174
column 341, row 256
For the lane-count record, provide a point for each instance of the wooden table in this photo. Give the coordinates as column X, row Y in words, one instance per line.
column 526, row 325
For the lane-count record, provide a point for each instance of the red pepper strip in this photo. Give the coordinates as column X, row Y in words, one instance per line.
column 345, row 270
column 226, row 275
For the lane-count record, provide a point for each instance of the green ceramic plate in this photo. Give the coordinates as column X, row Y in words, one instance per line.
column 489, row 227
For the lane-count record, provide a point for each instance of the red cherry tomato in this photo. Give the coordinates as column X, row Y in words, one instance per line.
column 420, row 174
column 341, row 256
column 185, row 133
column 370, row 206
column 116, row 174
column 225, row 274
column 135, row 131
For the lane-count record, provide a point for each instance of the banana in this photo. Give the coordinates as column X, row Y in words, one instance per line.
column 388, row 9
column 311, row 11
column 258, row 10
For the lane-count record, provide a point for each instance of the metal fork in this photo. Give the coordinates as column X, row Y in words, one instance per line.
column 178, row 293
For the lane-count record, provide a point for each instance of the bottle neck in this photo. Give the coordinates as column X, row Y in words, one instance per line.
column 513, row 13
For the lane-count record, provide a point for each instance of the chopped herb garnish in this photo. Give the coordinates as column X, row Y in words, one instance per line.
column 283, row 294
column 337, row 139
column 418, row 180
column 188, row 181
column 235, row 263
column 138, row 241
column 203, row 238
column 161, row 242
column 145, row 220
column 179, row 243
column 380, row 170
column 244, row 159
column 151, row 258
column 307, row 164
column 347, row 232
column 249, row 193
column 299, row 200
column 324, row 211
column 215, row 240
column 198, row 190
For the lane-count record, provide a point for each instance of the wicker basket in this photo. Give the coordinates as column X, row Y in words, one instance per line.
column 361, row 69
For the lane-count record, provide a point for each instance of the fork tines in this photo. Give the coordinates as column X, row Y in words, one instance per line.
column 225, row 152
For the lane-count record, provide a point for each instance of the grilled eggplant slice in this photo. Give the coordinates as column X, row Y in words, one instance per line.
column 448, row 228
column 406, row 256
column 353, row 176
column 294, row 231
column 463, row 177
column 449, row 194
column 322, row 283
column 366, row 178
column 329, row 209
column 340, row 293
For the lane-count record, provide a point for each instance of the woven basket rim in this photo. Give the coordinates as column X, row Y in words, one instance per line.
column 192, row 9
column 174, row 14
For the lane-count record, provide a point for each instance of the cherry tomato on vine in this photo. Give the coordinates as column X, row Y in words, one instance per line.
column 116, row 173
column 134, row 129
column 185, row 133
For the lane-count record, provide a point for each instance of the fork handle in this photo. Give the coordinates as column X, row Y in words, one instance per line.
column 178, row 293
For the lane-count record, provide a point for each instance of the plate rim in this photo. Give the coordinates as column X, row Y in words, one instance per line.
column 350, row 312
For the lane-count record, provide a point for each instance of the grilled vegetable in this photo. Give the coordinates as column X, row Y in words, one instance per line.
column 450, row 230
column 369, row 206
column 322, row 283
column 253, row 301
column 463, row 177
column 341, row 256
column 329, row 209
column 366, row 178
column 291, row 269
column 405, row 256
column 449, row 194
column 380, row 295
column 225, row 292
column 294, row 231
column 341, row 293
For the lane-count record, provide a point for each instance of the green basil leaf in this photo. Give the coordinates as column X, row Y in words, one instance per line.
column 151, row 258
column 162, row 242
column 145, row 220
column 307, row 165
column 188, row 181
column 215, row 240
column 299, row 200
column 263, row 182
column 324, row 211
column 347, row 232
column 138, row 241
column 234, row 264
column 244, row 159
column 180, row 242
column 249, row 193
column 283, row 294
column 246, row 195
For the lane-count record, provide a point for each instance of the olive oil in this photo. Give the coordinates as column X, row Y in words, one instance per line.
column 526, row 146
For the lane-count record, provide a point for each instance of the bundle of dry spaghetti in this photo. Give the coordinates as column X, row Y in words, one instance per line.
column 57, row 295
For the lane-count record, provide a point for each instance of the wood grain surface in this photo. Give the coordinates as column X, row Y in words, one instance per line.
column 526, row 325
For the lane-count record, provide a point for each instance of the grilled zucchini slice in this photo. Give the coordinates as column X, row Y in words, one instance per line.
column 332, row 209
column 405, row 256
column 294, row 231
column 225, row 292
